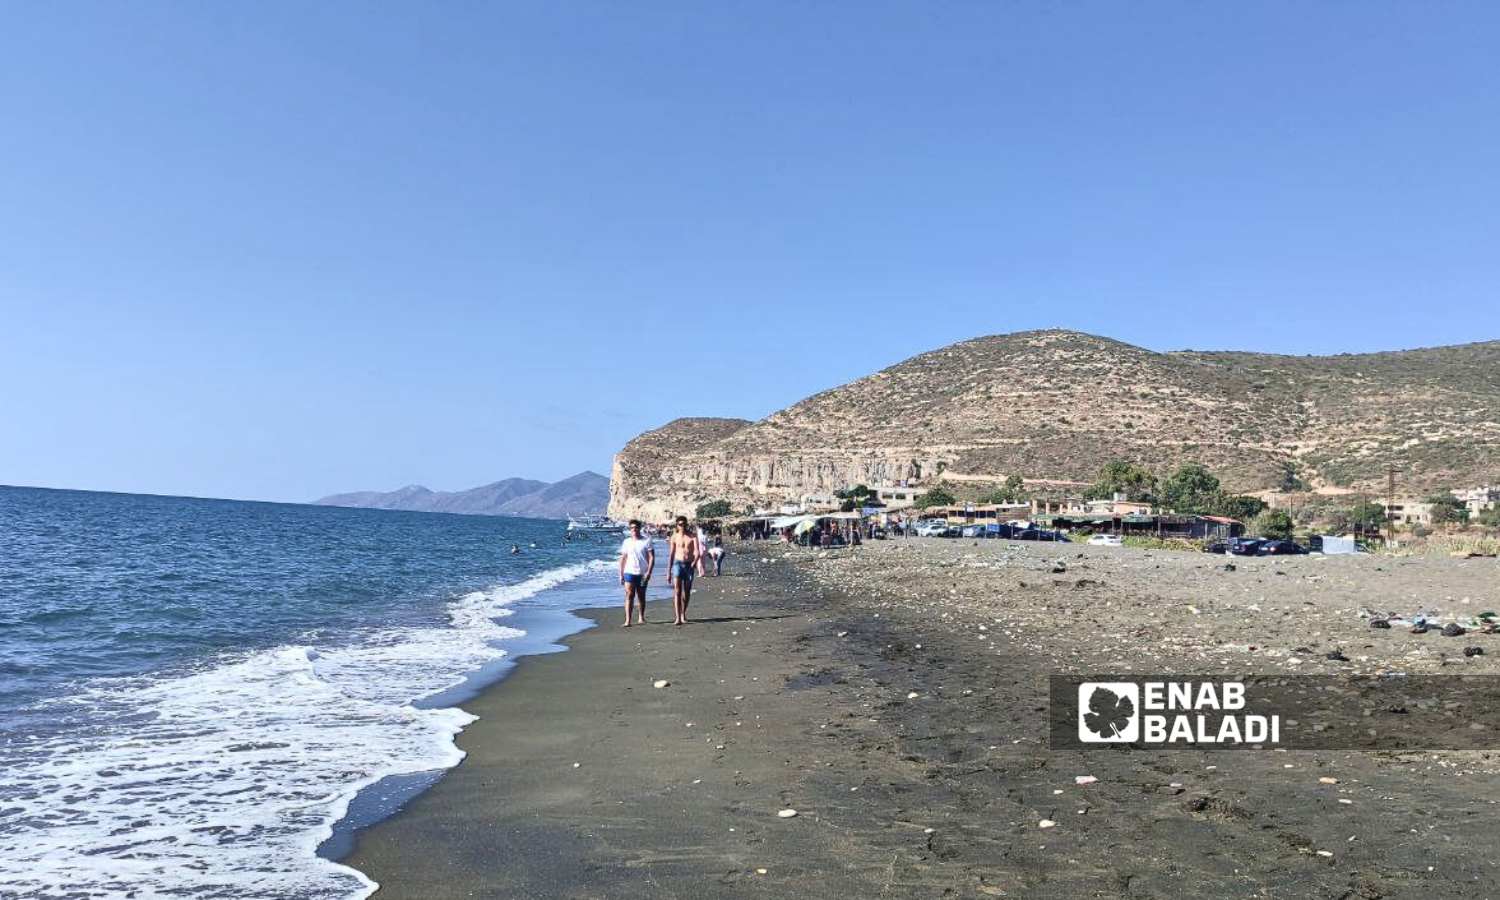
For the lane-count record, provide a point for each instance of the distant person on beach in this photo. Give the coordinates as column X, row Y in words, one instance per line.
column 637, row 559
column 716, row 553
column 683, row 561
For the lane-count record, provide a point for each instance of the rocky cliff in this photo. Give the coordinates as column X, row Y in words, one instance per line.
column 1059, row 404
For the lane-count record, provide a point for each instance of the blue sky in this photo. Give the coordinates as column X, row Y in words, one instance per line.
column 277, row 250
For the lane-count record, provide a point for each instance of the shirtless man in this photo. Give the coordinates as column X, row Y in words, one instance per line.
column 637, row 559
column 682, row 564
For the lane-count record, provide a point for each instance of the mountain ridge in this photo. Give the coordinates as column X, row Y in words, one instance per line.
column 585, row 493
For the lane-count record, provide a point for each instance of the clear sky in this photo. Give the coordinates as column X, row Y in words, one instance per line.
column 276, row 250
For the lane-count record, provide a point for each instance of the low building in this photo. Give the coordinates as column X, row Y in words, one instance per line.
column 1408, row 512
column 898, row 496
column 1477, row 500
column 817, row 502
column 1161, row 526
column 980, row 513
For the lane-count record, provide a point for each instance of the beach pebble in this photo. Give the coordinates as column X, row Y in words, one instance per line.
column 787, row 813
column 1085, row 779
column 760, row 871
column 660, row 683
column 1327, row 780
column 1046, row 823
column 912, row 696
column 1327, row 853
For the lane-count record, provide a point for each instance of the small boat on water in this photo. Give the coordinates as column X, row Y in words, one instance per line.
column 602, row 524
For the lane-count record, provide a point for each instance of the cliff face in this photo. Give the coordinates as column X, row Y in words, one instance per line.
column 1059, row 404
column 639, row 484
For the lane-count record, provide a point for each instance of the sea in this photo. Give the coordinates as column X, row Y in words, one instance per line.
column 207, row 698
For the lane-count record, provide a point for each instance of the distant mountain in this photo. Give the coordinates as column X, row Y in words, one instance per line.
column 586, row 493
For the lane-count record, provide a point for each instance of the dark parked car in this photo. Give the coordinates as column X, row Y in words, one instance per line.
column 1040, row 534
column 1280, row 548
column 1245, row 546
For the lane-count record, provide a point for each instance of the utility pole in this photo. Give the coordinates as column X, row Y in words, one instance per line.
column 1390, row 502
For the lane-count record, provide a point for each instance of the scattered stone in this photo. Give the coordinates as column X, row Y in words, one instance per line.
column 1046, row 823
column 1327, row 780
column 1379, row 623
column 912, row 696
column 1453, row 629
column 1473, row 651
column 1419, row 628
column 787, row 814
column 1085, row 779
column 1337, row 656
column 660, row 683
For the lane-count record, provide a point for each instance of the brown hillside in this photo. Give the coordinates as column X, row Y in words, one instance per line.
column 1058, row 404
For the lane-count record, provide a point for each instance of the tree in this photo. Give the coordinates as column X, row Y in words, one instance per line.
column 1192, row 489
column 1490, row 516
column 1447, row 508
column 1275, row 524
column 854, row 493
column 713, row 509
column 1290, row 482
column 1010, row 492
column 1238, row 506
column 1365, row 516
column 1121, row 477
column 935, row 497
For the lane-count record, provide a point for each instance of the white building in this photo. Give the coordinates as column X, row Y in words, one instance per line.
column 1477, row 500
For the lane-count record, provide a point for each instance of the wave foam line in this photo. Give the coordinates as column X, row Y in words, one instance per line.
column 223, row 782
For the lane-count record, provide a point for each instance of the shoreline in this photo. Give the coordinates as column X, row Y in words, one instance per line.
column 795, row 691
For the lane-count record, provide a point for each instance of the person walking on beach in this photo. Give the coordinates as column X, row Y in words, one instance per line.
column 637, row 559
column 683, row 561
column 716, row 553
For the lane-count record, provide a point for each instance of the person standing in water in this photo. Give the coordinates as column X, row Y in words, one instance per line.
column 637, row 559
column 683, row 560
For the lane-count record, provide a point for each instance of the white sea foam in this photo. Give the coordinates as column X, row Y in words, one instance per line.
column 222, row 782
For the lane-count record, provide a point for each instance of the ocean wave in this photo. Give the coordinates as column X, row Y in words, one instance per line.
column 223, row 781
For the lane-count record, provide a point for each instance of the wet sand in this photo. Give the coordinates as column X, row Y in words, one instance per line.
column 794, row 692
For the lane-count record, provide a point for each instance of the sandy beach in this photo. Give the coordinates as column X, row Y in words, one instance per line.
column 895, row 697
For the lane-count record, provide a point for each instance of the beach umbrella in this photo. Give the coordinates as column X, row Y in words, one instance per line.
column 805, row 526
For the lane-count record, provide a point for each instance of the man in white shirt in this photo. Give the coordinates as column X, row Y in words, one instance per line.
column 637, row 560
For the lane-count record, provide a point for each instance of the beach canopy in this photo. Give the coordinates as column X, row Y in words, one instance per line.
column 805, row 526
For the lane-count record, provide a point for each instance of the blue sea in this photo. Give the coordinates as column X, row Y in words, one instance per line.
column 193, row 692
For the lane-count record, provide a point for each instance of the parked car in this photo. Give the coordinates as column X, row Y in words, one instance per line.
column 877, row 533
column 972, row 531
column 1280, row 548
column 1239, row 546
column 1040, row 534
column 1105, row 540
column 931, row 528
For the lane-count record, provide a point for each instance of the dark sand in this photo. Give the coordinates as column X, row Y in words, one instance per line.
column 582, row 780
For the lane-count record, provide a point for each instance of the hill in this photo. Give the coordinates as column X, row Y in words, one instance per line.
column 586, row 493
column 1059, row 404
